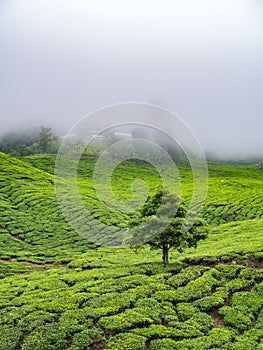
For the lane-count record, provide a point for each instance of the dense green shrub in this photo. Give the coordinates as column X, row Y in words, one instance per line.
column 48, row 337
column 124, row 321
column 186, row 311
column 259, row 289
column 126, row 341
column 164, row 344
column 84, row 339
column 247, row 301
column 201, row 321
column 169, row 344
column 73, row 321
column 237, row 317
column 255, row 334
column 9, row 337
column 176, row 330
column 212, row 301
column 36, row 319
column 220, row 338
column 239, row 284
column 187, row 275
column 244, row 345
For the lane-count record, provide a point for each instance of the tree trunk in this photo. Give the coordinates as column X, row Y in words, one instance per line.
column 165, row 254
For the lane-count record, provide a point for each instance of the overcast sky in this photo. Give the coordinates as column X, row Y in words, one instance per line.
column 202, row 59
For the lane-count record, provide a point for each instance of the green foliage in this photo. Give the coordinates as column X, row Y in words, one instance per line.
column 165, row 344
column 45, row 137
column 236, row 317
column 251, row 302
column 48, row 337
column 220, row 338
column 29, row 142
column 124, row 321
column 212, row 301
column 166, row 227
column 86, row 338
column 22, row 143
column 201, row 321
column 126, row 341
column 176, row 330
column 58, row 293
column 9, row 337
column 186, row 311
column 32, row 228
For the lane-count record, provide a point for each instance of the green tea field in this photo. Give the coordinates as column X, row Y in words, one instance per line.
column 60, row 291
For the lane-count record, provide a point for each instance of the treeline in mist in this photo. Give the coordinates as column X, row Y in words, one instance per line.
column 25, row 143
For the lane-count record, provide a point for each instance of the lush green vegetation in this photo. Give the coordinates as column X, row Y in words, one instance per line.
column 165, row 228
column 57, row 291
column 235, row 191
column 29, row 142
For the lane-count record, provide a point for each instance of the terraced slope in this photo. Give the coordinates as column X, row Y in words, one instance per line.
column 32, row 227
column 117, row 299
column 62, row 295
column 34, row 230
column 235, row 192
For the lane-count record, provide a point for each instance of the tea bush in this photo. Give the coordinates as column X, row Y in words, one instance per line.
column 126, row 341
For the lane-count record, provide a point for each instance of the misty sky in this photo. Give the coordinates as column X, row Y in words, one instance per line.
column 202, row 59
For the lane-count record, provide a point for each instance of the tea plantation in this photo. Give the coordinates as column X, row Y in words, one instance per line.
column 59, row 291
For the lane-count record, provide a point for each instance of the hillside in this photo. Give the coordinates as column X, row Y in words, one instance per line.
column 31, row 225
column 235, row 191
column 57, row 292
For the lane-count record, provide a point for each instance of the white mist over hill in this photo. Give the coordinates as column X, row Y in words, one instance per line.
column 61, row 60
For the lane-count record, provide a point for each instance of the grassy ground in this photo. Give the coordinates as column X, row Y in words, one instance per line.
column 58, row 293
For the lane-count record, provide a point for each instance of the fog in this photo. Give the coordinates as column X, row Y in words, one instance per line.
column 202, row 60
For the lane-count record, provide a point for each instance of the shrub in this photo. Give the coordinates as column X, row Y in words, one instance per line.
column 84, row 339
column 109, row 303
column 150, row 308
column 126, row 341
column 249, row 302
column 176, row 330
column 198, row 288
column 74, row 321
column 169, row 295
column 244, row 345
column 169, row 344
column 164, row 344
column 124, row 321
column 259, row 289
column 236, row 317
column 238, row 284
column 46, row 337
column 187, row 275
column 255, row 334
column 36, row 319
column 212, row 301
column 229, row 271
column 186, row 311
column 9, row 337
column 201, row 321
column 219, row 337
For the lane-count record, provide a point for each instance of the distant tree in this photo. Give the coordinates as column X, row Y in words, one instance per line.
column 169, row 227
column 45, row 138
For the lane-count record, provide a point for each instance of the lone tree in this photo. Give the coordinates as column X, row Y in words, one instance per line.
column 167, row 225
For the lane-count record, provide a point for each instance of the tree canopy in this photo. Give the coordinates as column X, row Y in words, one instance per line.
column 165, row 215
